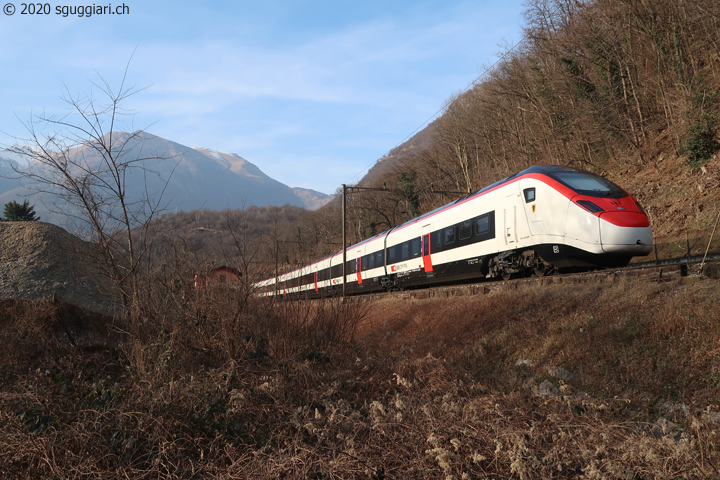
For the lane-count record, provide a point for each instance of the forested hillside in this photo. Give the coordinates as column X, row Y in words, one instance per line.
column 627, row 89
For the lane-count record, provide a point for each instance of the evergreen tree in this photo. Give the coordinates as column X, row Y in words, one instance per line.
column 19, row 212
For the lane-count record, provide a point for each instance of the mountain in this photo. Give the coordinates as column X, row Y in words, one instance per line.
column 7, row 182
column 312, row 199
column 191, row 178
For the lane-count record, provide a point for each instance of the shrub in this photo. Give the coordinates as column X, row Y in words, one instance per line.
column 701, row 144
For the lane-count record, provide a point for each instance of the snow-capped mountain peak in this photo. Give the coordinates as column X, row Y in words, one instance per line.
column 190, row 178
column 232, row 162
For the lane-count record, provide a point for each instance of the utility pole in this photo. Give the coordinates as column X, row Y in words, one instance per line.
column 344, row 238
column 345, row 191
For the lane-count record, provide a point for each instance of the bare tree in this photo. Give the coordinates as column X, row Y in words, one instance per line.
column 86, row 163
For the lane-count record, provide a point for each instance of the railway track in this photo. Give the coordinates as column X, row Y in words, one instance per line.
column 666, row 270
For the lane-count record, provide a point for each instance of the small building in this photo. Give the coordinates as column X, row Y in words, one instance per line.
column 218, row 276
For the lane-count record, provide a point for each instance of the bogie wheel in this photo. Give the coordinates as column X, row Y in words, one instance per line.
column 540, row 270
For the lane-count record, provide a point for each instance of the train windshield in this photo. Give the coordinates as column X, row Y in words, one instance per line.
column 589, row 184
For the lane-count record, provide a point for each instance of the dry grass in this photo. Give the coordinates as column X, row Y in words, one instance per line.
column 565, row 381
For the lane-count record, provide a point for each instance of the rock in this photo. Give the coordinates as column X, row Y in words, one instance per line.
column 524, row 363
column 547, row 389
column 559, row 373
column 665, row 428
column 42, row 261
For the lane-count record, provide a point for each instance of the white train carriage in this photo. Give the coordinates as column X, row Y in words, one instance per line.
column 543, row 219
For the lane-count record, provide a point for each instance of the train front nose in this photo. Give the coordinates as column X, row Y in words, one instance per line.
column 623, row 231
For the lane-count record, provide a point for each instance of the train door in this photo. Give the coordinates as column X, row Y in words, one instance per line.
column 425, row 249
column 533, row 213
column 510, row 220
column 316, row 279
column 358, row 266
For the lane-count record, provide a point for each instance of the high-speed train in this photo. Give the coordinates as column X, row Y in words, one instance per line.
column 542, row 220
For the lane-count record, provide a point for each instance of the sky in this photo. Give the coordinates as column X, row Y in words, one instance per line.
column 312, row 92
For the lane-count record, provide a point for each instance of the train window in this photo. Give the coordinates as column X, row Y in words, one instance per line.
column 397, row 253
column 405, row 251
column 336, row 271
column 482, row 225
column 415, row 249
column 449, row 235
column 586, row 183
column 529, row 195
column 465, row 231
column 379, row 259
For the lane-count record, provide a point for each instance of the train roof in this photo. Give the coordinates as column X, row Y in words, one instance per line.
column 544, row 169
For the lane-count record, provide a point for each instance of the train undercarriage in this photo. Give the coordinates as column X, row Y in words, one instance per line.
column 516, row 264
column 505, row 265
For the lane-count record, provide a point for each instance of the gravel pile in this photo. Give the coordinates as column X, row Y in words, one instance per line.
column 39, row 261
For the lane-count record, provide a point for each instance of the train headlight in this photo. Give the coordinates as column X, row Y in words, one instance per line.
column 590, row 206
